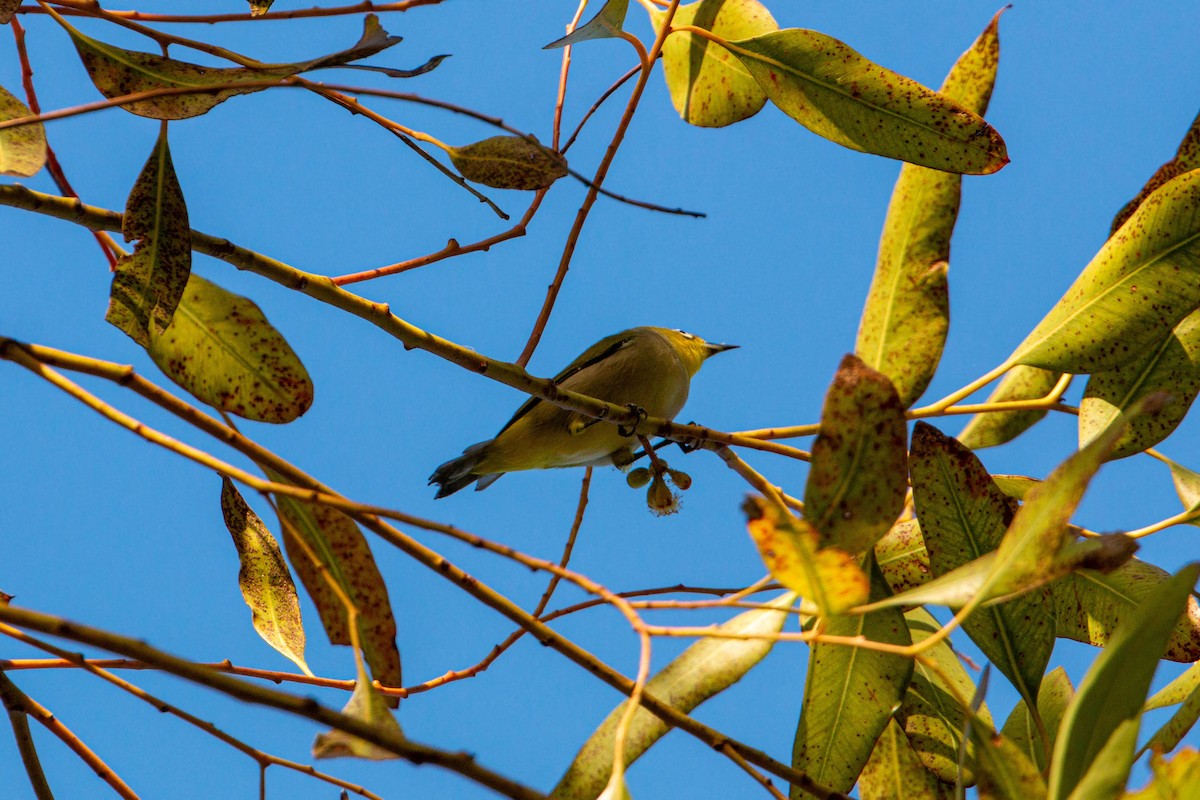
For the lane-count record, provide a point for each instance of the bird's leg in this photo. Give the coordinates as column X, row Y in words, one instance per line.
column 640, row 413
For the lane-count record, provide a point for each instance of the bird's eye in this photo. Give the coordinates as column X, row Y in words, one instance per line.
column 685, row 334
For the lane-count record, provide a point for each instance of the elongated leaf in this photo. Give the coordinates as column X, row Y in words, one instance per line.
column 1142, row 283
column 833, row 91
column 368, row 705
column 1168, row 737
column 828, row 577
column 933, row 717
column 509, row 162
column 902, row 557
column 856, row 483
column 345, row 557
column 849, row 696
column 1090, row 607
column 895, row 773
column 148, row 285
column 998, row 427
column 1187, row 486
column 1105, row 778
column 907, row 313
column 709, row 86
column 221, row 348
column 1177, row 690
column 23, row 149
column 702, row 671
column 1004, row 771
column 605, row 25
column 1115, row 687
column 1174, row 778
column 1187, row 158
column 964, row 515
column 264, row 578
column 1055, row 693
column 1171, row 366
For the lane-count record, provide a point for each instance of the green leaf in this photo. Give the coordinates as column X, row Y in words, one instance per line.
column 1142, row 283
column 1177, row 690
column 264, row 578
column 1106, row 777
column 1015, row 486
column 1005, row 773
column 895, row 773
column 964, row 516
column 509, row 162
column 344, row 556
column 709, row 86
column 1187, row 486
column 148, row 285
column 1055, row 693
column 1187, row 158
column 1090, row 607
column 833, row 91
column 368, row 705
column 1115, row 687
column 1171, row 366
column 849, row 696
column 1174, row 778
column 907, row 313
column 933, row 717
column 856, row 482
column 605, row 25
column 23, row 149
column 1168, row 737
column 221, row 348
column 902, row 557
column 998, row 427
column 702, row 671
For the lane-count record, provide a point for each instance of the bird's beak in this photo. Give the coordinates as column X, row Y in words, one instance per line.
column 713, row 349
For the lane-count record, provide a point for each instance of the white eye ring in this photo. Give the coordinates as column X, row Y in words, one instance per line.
column 685, row 334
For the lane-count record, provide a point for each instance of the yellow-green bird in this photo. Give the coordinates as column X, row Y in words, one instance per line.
column 650, row 368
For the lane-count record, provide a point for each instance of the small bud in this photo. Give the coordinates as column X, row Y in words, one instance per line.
column 509, row 162
column 661, row 500
column 638, row 478
column 680, row 479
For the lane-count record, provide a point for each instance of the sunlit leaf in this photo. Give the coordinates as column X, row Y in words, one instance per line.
column 907, row 313
column 1015, row 486
column 705, row 669
column 1090, row 607
column 264, row 578
column 148, row 285
column 1171, row 366
column 1187, row 158
column 1115, row 687
column 23, row 149
column 828, row 576
column 1106, row 777
column 830, row 89
column 1174, row 778
column 902, row 557
column 850, row 694
column 1177, row 690
column 998, row 427
column 1142, row 283
column 1187, row 486
column 964, row 516
column 343, row 554
column 856, row 483
column 367, row 705
column 1168, row 737
column 509, row 162
column 605, row 25
column 221, row 348
column 895, row 773
column 1004, row 772
column 709, row 86
column 616, row 789
column 1055, row 693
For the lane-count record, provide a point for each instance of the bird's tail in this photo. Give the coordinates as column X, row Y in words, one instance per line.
column 460, row 472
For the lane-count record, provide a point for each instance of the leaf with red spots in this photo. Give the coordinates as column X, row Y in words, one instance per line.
column 23, row 149
column 992, row 428
column 902, row 556
column 709, row 86
column 894, row 770
column 221, row 348
column 829, row 88
column 1187, row 158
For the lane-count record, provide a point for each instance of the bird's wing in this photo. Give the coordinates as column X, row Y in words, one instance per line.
column 601, row 350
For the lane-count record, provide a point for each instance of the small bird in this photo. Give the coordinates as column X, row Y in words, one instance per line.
column 649, row 368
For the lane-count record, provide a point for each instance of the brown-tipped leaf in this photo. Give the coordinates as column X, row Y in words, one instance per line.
column 998, row 427
column 509, row 162
column 23, row 149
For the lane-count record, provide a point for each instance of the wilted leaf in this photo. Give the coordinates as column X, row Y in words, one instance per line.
column 1174, row 778
column 833, row 91
column 1171, row 366
column 335, row 539
column 856, row 483
column 1090, row 607
column 1115, row 687
column 1142, row 283
column 23, row 149
column 221, row 348
column 509, row 162
column 1168, row 737
column 605, row 25
column 964, row 516
column 1187, row 158
column 828, row 577
column 849, row 695
column 998, row 427
column 148, row 285
column 709, row 86
column 895, row 773
column 264, row 578
column 368, row 705
column 907, row 313
column 1055, row 693
column 1004, row 772
column 902, row 556
column 705, row 669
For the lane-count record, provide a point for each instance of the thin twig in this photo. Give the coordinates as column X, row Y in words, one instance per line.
column 84, row 8
column 15, row 702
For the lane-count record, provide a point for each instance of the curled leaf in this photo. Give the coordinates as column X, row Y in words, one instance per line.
column 23, row 149
column 509, row 162
column 605, row 25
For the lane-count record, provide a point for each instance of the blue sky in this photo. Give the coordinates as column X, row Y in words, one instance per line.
column 104, row 528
